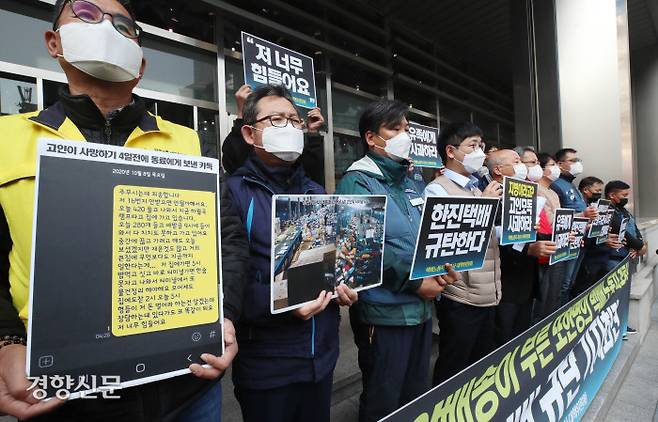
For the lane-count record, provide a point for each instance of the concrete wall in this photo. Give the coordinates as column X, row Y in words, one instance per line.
column 644, row 68
column 594, row 85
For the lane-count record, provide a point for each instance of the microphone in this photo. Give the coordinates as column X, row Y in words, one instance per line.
column 483, row 172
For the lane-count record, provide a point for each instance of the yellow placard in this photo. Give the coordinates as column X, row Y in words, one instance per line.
column 164, row 259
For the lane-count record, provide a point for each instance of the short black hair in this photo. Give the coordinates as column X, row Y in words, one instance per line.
column 614, row 186
column 387, row 113
column 487, row 147
column 523, row 149
column 588, row 181
column 544, row 158
column 59, row 4
column 250, row 111
column 454, row 134
column 562, row 154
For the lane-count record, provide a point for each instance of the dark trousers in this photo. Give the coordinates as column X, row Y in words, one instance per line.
column 394, row 363
column 550, row 284
column 591, row 271
column 467, row 334
column 571, row 269
column 300, row 402
column 511, row 320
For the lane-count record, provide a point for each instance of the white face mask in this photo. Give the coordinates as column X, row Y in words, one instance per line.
column 397, row 147
column 99, row 50
column 555, row 173
column 520, row 171
column 576, row 168
column 535, row 173
column 286, row 143
column 473, row 160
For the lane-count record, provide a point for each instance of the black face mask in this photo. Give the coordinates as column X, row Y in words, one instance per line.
column 595, row 197
column 623, row 202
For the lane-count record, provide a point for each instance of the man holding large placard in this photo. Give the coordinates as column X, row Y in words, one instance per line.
column 518, row 259
column 97, row 45
column 571, row 166
column 286, row 361
column 466, row 311
column 392, row 323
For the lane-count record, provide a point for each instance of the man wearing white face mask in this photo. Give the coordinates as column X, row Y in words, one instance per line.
column 284, row 369
column 392, row 323
column 570, row 197
column 96, row 43
column 466, row 309
column 518, row 263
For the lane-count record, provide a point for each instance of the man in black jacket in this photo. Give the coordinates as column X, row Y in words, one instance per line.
column 519, row 270
column 99, row 103
column 618, row 192
column 235, row 150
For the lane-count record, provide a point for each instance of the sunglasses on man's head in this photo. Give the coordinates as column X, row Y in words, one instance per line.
column 90, row 13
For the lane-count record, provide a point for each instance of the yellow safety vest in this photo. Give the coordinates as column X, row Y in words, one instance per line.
column 19, row 135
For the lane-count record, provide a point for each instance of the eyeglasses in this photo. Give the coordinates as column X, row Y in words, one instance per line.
column 90, row 13
column 278, row 120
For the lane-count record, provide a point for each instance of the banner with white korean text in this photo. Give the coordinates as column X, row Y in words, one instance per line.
column 519, row 211
column 579, row 230
column 424, row 150
column 132, row 239
column 598, row 227
column 454, row 230
column 561, row 233
column 551, row 372
column 267, row 63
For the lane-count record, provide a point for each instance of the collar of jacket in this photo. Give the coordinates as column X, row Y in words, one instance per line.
column 392, row 171
column 569, row 178
column 79, row 111
column 280, row 179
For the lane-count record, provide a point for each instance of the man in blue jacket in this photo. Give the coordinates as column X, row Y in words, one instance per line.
column 570, row 197
column 283, row 371
column 392, row 324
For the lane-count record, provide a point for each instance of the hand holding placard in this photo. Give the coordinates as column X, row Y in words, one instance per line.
column 346, row 296
column 15, row 396
column 218, row 364
column 431, row 287
column 542, row 248
column 311, row 309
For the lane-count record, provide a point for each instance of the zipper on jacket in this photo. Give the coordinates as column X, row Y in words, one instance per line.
column 108, row 132
column 313, row 336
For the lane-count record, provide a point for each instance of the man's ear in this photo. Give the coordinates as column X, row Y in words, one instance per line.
column 141, row 69
column 248, row 134
column 370, row 138
column 450, row 153
column 497, row 172
column 52, row 43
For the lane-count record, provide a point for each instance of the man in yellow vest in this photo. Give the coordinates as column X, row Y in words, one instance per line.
column 97, row 45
